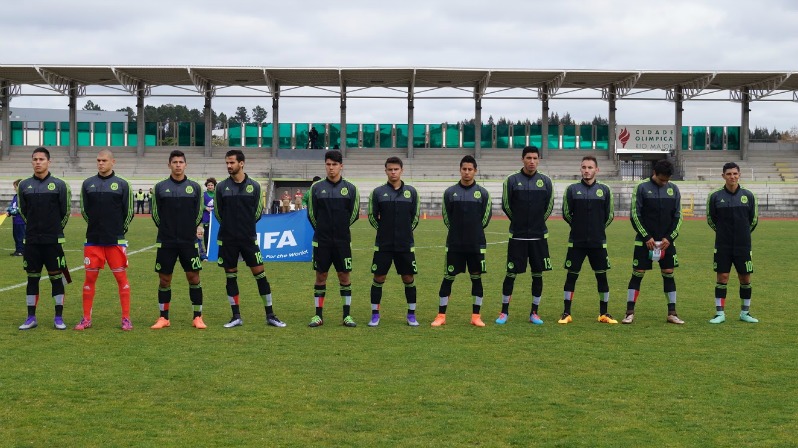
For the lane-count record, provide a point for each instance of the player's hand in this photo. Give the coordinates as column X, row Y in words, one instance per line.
column 664, row 244
column 650, row 244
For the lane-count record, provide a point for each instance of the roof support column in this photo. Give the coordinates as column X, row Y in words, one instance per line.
column 73, row 119
column 677, row 128
column 477, row 126
column 343, row 119
column 5, row 117
column 611, row 97
column 275, row 119
column 410, row 109
column 544, row 123
column 140, row 119
column 208, row 114
column 744, row 122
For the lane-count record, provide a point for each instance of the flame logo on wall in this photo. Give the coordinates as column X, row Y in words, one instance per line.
column 624, row 137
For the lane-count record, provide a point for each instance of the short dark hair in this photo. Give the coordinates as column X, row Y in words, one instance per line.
column 528, row 149
column 591, row 158
column 42, row 150
column 316, row 178
column 176, row 153
column 211, row 180
column 730, row 165
column 395, row 160
column 663, row 167
column 16, row 182
column 237, row 153
column 335, row 156
column 468, row 159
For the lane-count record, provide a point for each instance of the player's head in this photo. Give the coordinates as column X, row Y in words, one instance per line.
column 237, row 153
column 589, row 169
column 316, row 178
column 234, row 159
column 335, row 156
column 40, row 159
column 663, row 170
column 105, row 162
column 731, row 174
column 16, row 182
column 210, row 183
column 531, row 157
column 177, row 164
column 468, row 169
column 333, row 164
column 393, row 169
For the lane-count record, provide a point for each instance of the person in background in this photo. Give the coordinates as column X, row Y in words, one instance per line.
column 207, row 201
column 285, row 202
column 140, row 197
column 18, row 222
column 298, row 199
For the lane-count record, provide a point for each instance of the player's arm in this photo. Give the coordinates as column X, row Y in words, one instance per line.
column 312, row 206
column 22, row 203
column 416, row 209
column 66, row 203
column 676, row 219
column 128, row 204
column 634, row 213
column 155, row 206
column 506, row 197
column 486, row 209
column 609, row 205
column 445, row 209
column 259, row 206
column 218, row 204
column 549, row 198
column 711, row 212
column 567, row 205
column 83, row 199
column 355, row 206
column 753, row 211
column 373, row 210
column 200, row 207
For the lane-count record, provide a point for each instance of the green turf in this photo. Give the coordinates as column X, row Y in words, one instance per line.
column 585, row 384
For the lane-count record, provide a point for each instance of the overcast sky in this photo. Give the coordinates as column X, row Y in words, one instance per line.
column 556, row 34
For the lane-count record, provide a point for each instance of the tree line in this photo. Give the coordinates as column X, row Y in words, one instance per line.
column 171, row 113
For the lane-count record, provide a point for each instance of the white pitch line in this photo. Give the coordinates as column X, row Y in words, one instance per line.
column 19, row 285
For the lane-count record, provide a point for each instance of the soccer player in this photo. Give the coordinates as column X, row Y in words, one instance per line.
column 733, row 213
column 106, row 203
column 393, row 210
column 18, row 229
column 656, row 216
column 238, row 207
column 527, row 199
column 177, row 211
column 44, row 203
column 466, row 213
column 588, row 208
column 333, row 206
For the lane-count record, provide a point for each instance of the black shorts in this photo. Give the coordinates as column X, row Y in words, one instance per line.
column 338, row 256
column 724, row 259
column 599, row 260
column 228, row 254
column 165, row 258
column 50, row 256
column 405, row 262
column 456, row 262
column 536, row 251
column 642, row 262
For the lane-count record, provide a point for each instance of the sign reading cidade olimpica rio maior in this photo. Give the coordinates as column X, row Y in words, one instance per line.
column 637, row 139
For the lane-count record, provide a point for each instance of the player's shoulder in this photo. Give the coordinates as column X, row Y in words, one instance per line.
column 347, row 183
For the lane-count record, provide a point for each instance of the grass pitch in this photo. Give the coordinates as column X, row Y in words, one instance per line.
column 584, row 384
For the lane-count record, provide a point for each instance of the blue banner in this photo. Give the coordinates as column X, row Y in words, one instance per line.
column 281, row 237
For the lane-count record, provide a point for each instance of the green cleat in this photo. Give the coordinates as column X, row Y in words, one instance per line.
column 746, row 317
column 349, row 322
column 315, row 322
column 719, row 318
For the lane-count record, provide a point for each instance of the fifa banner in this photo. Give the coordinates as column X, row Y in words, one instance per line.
column 644, row 139
column 282, row 237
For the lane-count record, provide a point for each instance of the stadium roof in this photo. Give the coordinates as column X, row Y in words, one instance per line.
column 62, row 78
